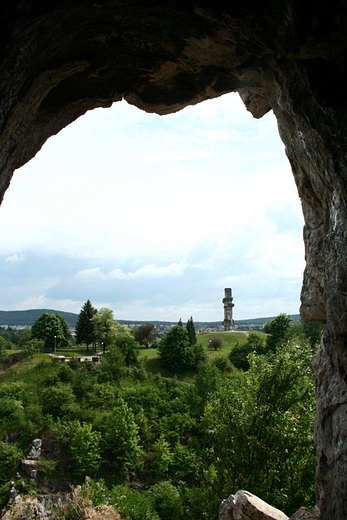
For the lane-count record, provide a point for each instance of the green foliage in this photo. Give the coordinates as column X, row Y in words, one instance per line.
column 57, row 400
column 130, row 503
column 161, row 456
column 239, row 354
column 200, row 355
column 13, row 390
column 278, row 330
column 209, row 438
column 113, row 364
column 105, row 327
column 10, row 456
column 46, row 468
column 145, row 334
column 12, row 398
column 33, row 346
column 102, row 395
column 84, row 329
column 313, row 332
column 191, row 331
column 175, row 352
column 207, row 381
column 166, row 500
column 4, row 346
column 260, row 430
column 215, row 342
column 120, row 437
column 53, row 330
column 127, row 345
column 133, row 504
column 85, row 449
column 222, row 363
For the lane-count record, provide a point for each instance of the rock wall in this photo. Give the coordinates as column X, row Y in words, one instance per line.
column 59, row 59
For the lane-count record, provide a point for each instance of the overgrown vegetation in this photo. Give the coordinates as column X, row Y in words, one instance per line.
column 167, row 435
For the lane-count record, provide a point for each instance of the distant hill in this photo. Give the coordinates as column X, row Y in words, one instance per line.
column 28, row 318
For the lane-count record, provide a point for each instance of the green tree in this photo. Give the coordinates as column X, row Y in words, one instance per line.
column 191, row 331
column 33, row 346
column 166, row 500
column 57, row 400
column 4, row 345
column 145, row 334
column 278, row 330
column 215, row 342
column 10, row 457
column 121, row 438
column 85, row 449
column 260, row 429
column 175, row 352
column 113, row 364
column 240, row 352
column 84, row 327
column 127, row 345
column 53, row 330
column 105, row 327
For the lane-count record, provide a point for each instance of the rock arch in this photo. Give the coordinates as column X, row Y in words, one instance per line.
column 60, row 59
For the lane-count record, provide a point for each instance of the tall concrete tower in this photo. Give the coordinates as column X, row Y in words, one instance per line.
column 228, row 310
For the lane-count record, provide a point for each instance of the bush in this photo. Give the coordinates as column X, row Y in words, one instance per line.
column 239, row 354
column 166, row 500
column 175, row 352
column 133, row 504
column 57, row 400
column 260, row 429
column 215, row 342
column 222, row 363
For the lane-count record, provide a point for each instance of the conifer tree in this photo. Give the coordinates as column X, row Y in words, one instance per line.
column 191, row 331
column 84, row 327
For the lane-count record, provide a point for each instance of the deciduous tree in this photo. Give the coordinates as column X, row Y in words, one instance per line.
column 104, row 327
column 53, row 330
column 260, row 429
column 145, row 334
column 215, row 342
column 278, row 330
column 175, row 352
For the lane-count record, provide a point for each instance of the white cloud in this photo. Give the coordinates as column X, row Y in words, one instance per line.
column 147, row 271
column 125, row 197
column 14, row 259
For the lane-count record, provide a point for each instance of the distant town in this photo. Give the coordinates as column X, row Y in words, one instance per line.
column 26, row 318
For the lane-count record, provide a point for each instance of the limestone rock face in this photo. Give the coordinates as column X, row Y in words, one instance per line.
column 59, row 59
column 245, row 506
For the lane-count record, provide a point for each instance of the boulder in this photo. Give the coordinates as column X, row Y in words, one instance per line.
column 245, row 506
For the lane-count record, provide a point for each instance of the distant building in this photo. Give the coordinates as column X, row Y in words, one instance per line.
column 228, row 322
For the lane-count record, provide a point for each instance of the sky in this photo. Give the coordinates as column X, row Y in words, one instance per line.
column 153, row 216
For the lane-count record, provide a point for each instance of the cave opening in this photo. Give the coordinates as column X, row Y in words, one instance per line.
column 154, row 215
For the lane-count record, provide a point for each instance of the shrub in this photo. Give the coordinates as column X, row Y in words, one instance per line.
column 222, row 363
column 166, row 500
column 57, row 400
column 239, row 354
column 175, row 352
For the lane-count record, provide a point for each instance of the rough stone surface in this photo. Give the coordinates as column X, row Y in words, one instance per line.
column 245, row 506
column 306, row 514
column 34, row 452
column 29, row 468
column 59, row 59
